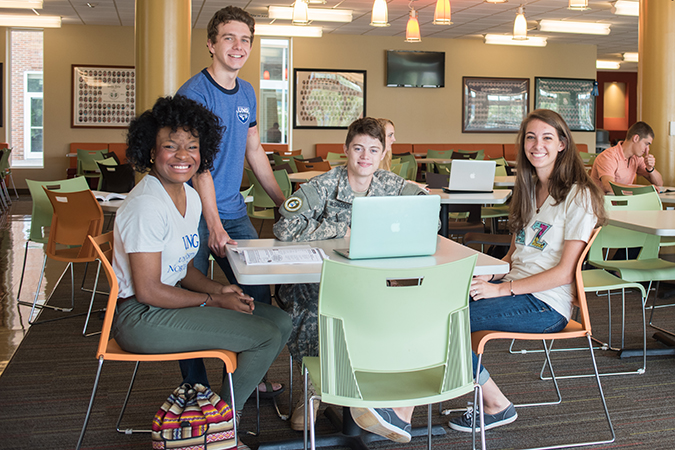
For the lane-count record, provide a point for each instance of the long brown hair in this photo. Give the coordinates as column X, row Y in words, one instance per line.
column 385, row 164
column 568, row 170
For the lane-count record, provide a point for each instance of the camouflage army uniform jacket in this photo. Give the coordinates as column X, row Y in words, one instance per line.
column 322, row 209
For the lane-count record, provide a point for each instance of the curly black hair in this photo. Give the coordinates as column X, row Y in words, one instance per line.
column 173, row 112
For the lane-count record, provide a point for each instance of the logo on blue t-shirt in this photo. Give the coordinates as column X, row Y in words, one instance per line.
column 243, row 113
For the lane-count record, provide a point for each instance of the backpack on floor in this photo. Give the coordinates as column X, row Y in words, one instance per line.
column 193, row 417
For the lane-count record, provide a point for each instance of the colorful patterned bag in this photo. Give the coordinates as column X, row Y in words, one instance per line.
column 194, row 418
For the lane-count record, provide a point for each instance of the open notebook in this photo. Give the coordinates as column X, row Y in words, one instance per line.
column 387, row 227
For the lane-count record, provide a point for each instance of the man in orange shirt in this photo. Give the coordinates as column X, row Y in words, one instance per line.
column 622, row 162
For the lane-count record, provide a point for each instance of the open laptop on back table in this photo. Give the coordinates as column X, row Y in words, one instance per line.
column 387, row 227
column 471, row 177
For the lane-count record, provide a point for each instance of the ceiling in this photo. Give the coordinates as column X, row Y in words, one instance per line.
column 471, row 19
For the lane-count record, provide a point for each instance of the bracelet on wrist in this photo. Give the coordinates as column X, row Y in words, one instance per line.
column 492, row 277
column 511, row 288
column 650, row 171
column 208, row 297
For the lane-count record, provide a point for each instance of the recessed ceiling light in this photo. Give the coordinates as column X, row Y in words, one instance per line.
column 30, row 21
column 287, row 31
column 630, row 57
column 318, row 14
column 607, row 65
column 25, row 4
column 507, row 39
column 566, row 26
column 626, row 8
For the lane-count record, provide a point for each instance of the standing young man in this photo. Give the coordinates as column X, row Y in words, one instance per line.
column 232, row 100
column 224, row 219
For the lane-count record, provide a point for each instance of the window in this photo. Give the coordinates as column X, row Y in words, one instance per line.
column 26, row 94
column 273, row 98
column 32, row 111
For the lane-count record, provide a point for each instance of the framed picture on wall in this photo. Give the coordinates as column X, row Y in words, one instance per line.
column 102, row 96
column 330, row 99
column 572, row 98
column 494, row 105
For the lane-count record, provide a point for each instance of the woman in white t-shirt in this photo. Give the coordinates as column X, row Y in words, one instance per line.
column 166, row 305
column 554, row 209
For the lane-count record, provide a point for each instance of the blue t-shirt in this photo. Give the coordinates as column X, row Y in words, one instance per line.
column 236, row 109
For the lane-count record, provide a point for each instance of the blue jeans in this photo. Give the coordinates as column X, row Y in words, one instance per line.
column 193, row 370
column 522, row 313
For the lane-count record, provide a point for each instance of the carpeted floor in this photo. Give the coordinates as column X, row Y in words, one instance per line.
column 45, row 389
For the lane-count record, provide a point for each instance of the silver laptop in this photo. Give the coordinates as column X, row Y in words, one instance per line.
column 471, row 177
column 388, row 227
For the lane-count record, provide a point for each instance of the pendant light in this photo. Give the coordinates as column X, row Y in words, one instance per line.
column 520, row 26
column 442, row 13
column 412, row 29
column 380, row 14
column 578, row 5
column 300, row 13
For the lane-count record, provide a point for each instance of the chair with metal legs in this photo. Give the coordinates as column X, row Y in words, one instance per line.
column 109, row 350
column 574, row 330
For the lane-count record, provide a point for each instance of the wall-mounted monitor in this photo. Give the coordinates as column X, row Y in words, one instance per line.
column 415, row 69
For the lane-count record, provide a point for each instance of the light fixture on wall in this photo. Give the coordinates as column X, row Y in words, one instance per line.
column 29, row 21
column 566, row 26
column 496, row 1
column 442, row 14
column 578, row 5
column 607, row 65
column 412, row 28
column 507, row 39
column 287, row 31
column 520, row 25
column 380, row 14
column 18, row 4
column 300, row 13
column 631, row 57
column 626, row 8
column 318, row 14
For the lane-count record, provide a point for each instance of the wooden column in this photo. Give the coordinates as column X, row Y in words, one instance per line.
column 163, row 34
column 656, row 80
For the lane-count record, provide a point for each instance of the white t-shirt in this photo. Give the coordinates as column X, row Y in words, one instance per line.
column 148, row 222
column 539, row 245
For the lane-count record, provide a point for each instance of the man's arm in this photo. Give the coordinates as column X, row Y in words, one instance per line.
column 218, row 237
column 260, row 164
column 605, row 180
column 651, row 173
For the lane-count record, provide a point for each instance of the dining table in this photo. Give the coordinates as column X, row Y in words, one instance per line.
column 350, row 435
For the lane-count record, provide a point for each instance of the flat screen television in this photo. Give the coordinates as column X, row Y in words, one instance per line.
column 415, row 69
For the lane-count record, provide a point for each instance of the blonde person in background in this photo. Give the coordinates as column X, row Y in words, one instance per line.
column 389, row 131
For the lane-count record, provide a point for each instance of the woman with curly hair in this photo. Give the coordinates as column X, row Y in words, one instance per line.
column 166, row 305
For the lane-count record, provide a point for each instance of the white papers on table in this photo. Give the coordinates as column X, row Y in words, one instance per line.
column 298, row 254
column 107, row 196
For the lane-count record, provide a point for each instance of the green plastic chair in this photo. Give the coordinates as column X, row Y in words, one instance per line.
column 632, row 190
column 588, row 158
column 41, row 219
column 468, row 154
column 104, row 162
column 400, row 169
column 412, row 166
column 86, row 163
column 437, row 154
column 262, row 206
column 332, row 156
column 496, row 212
column 376, row 350
column 290, row 160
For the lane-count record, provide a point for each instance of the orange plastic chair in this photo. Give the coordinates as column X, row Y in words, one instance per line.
column 574, row 329
column 323, row 166
column 297, row 152
column 108, row 349
column 76, row 216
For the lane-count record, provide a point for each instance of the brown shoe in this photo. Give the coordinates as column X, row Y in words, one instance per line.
column 298, row 416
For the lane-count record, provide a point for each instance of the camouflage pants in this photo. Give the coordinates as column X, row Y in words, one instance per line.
column 302, row 302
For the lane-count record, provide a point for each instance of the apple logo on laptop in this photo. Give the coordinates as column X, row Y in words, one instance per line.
column 472, row 176
column 395, row 227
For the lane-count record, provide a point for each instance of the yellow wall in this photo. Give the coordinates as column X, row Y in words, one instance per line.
column 421, row 115
column 426, row 115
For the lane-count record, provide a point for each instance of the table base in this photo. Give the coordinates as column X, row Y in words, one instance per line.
column 659, row 336
column 351, row 435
